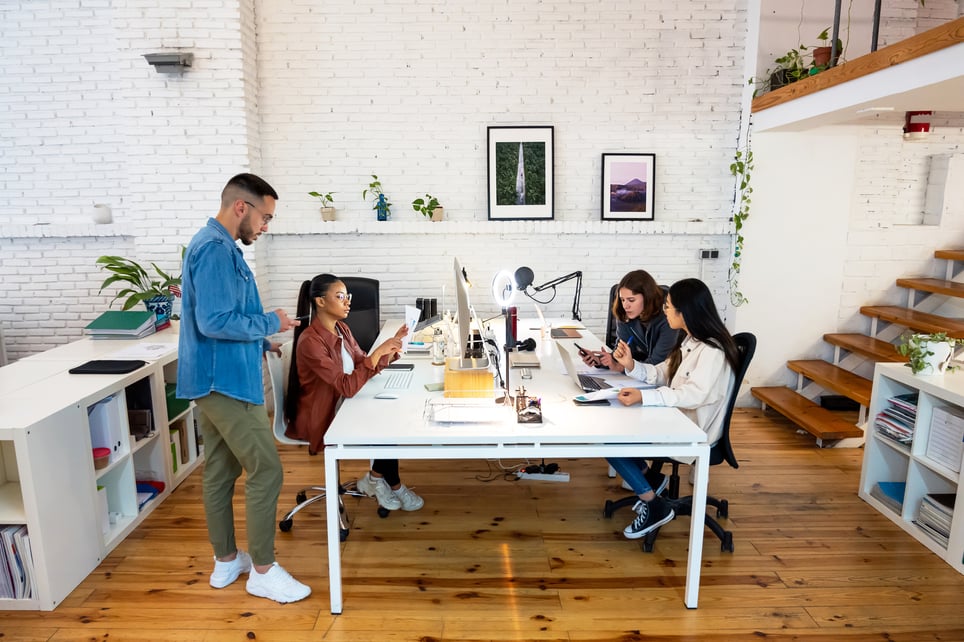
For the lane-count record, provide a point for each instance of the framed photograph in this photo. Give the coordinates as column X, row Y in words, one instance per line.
column 628, row 187
column 520, row 173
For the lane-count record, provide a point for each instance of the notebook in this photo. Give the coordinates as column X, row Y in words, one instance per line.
column 523, row 359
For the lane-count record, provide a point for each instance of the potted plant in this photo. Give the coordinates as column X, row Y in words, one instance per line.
column 821, row 54
column 380, row 202
column 157, row 294
column 928, row 354
column 429, row 207
column 327, row 205
column 791, row 67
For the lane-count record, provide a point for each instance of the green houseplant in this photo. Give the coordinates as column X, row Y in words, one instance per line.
column 380, row 202
column 928, row 354
column 327, row 204
column 429, row 207
column 157, row 293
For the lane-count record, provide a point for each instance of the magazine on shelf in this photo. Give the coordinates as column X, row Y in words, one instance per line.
column 889, row 493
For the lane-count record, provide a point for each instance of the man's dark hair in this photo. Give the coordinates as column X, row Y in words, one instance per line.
column 250, row 184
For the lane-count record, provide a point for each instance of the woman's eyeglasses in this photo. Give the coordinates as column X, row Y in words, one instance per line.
column 342, row 296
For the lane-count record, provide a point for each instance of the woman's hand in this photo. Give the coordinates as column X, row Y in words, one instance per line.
column 401, row 332
column 606, row 361
column 623, row 356
column 589, row 358
column 390, row 347
column 630, row 396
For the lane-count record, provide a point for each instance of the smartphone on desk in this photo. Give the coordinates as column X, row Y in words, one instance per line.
column 400, row 366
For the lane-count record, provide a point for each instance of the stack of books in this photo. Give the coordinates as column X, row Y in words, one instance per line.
column 896, row 421
column 890, row 494
column 122, row 324
column 935, row 515
column 945, row 441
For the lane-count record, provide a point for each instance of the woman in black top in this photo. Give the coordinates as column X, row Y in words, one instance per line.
column 640, row 322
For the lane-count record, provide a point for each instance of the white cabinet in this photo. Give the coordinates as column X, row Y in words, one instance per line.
column 908, row 465
column 75, row 513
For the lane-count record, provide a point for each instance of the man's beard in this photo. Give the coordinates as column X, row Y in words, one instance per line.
column 246, row 232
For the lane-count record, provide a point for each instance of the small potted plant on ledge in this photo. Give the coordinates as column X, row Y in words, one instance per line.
column 327, row 204
column 157, row 294
column 380, row 202
column 429, row 207
column 928, row 354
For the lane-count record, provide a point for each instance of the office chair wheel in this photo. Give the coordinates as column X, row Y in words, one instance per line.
column 609, row 509
column 343, row 534
column 285, row 525
column 726, row 544
column 383, row 512
column 301, row 497
column 723, row 510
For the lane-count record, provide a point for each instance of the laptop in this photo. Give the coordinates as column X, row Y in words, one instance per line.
column 585, row 382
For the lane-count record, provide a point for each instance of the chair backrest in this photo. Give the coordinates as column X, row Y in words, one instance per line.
column 364, row 320
column 611, row 318
column 277, row 373
column 723, row 450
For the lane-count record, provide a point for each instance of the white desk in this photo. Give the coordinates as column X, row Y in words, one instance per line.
column 366, row 428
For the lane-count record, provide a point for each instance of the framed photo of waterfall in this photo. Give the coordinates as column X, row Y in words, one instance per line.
column 520, row 173
column 628, row 187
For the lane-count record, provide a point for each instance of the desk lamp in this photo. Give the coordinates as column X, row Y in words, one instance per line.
column 523, row 282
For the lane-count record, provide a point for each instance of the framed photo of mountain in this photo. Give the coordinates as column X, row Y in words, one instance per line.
column 628, row 187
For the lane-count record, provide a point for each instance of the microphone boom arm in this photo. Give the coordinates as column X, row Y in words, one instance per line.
column 562, row 279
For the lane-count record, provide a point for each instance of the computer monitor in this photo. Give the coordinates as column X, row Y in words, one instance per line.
column 471, row 353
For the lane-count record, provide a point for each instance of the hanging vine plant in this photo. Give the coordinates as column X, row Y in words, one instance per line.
column 741, row 168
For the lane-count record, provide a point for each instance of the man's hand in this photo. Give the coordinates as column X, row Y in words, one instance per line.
column 275, row 348
column 286, row 322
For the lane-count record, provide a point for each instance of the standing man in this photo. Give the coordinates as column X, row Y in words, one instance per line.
column 223, row 335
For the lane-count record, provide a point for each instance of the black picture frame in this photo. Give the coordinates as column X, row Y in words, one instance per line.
column 628, row 191
column 520, row 172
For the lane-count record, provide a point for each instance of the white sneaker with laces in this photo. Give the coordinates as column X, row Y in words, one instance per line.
column 378, row 488
column 277, row 584
column 225, row 573
column 409, row 500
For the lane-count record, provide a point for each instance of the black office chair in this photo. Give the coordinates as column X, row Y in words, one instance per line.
column 364, row 320
column 720, row 452
column 611, row 318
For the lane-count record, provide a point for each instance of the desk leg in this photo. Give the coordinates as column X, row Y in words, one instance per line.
column 696, row 530
column 334, row 528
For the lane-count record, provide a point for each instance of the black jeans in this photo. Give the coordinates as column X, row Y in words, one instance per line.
column 387, row 468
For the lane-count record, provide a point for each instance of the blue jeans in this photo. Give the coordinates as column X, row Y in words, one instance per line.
column 632, row 470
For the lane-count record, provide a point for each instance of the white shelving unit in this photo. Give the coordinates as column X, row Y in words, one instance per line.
column 889, row 461
column 50, row 420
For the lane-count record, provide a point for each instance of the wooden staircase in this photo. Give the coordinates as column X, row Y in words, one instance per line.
column 827, row 425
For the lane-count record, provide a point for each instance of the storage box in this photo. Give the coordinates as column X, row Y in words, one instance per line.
column 175, row 406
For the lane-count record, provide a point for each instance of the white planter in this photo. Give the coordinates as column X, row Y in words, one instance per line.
column 438, row 214
column 936, row 363
column 328, row 213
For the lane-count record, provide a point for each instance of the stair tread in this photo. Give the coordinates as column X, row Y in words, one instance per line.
column 819, row 422
column 916, row 320
column 869, row 347
column 936, row 286
column 835, row 378
column 950, row 255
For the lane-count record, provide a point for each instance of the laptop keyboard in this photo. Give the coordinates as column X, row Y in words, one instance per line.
column 589, row 383
column 399, row 380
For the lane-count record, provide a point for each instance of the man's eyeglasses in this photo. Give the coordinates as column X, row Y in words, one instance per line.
column 264, row 215
column 342, row 296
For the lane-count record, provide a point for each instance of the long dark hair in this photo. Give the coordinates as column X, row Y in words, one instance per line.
column 693, row 300
column 639, row 282
column 309, row 291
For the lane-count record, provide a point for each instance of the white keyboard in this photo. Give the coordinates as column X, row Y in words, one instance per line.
column 399, row 380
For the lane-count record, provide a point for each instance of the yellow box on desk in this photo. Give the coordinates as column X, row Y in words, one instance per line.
column 467, row 382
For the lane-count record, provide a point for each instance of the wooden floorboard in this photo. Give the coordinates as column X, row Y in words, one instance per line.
column 510, row 560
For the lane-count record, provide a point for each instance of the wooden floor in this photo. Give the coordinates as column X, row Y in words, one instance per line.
column 501, row 560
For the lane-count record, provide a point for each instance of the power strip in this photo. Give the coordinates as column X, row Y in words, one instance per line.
column 557, row 476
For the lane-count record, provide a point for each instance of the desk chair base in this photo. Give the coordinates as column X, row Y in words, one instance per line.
column 682, row 506
column 303, row 501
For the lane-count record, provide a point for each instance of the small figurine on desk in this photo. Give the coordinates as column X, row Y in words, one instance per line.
column 528, row 409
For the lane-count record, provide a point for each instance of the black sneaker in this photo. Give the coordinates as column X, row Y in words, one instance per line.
column 649, row 515
column 657, row 481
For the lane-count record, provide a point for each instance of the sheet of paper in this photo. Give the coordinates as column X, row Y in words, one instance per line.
column 411, row 320
column 145, row 351
column 605, row 393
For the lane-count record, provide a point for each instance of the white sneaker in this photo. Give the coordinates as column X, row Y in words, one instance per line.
column 378, row 488
column 409, row 500
column 277, row 584
column 226, row 572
